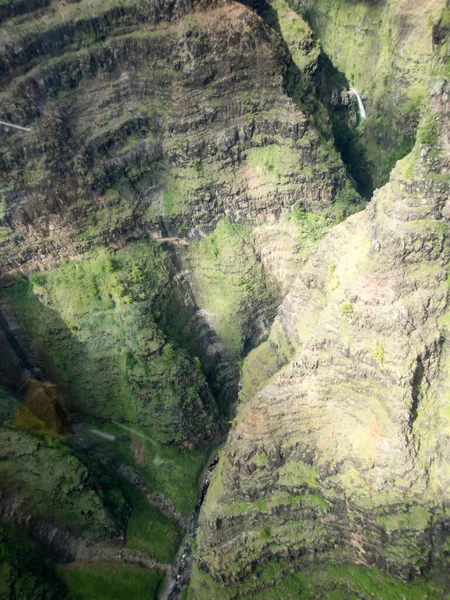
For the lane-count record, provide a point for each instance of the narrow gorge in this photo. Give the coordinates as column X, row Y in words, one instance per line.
column 224, row 299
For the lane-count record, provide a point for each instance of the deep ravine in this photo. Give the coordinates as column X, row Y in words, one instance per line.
column 192, row 258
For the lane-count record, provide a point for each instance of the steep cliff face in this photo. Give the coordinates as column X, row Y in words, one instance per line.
column 342, row 455
column 99, row 327
column 146, row 121
column 169, row 201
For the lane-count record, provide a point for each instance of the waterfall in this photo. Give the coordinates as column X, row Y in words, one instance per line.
column 138, row 433
column 362, row 110
column 102, row 434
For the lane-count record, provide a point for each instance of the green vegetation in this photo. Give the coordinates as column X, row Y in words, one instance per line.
column 378, row 352
column 346, row 309
column 230, row 284
column 24, row 571
column 168, row 202
column 101, row 324
column 365, row 47
column 350, row 144
column 318, row 582
column 9, row 406
column 297, row 34
column 311, row 227
column 273, row 160
column 268, row 504
column 148, row 529
column 427, row 131
column 296, row 473
column 165, row 469
column 58, row 487
column 416, row 518
column 106, row 580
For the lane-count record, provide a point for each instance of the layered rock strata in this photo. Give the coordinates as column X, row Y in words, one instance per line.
column 342, row 454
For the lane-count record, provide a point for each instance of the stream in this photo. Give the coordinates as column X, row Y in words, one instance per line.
column 179, row 576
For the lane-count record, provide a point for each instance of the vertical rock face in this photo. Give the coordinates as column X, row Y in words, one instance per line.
column 149, row 123
column 145, row 118
column 343, row 454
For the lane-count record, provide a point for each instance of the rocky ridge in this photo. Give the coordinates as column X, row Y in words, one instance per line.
column 187, row 139
column 342, row 454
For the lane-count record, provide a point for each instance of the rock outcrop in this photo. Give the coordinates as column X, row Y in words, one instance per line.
column 386, row 51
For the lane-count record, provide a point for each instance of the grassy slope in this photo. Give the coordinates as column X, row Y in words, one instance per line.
column 96, row 321
column 104, row 581
column 26, row 574
column 229, row 281
column 149, row 530
column 166, row 470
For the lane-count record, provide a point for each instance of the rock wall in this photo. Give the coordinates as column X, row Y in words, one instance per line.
column 385, row 51
column 149, row 122
column 342, row 455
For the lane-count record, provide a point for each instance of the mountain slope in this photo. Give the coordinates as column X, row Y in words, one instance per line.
column 342, row 456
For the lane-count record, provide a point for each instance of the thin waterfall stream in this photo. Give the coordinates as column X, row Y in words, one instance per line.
column 362, row 110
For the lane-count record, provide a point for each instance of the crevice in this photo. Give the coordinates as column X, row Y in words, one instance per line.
column 200, row 338
column 325, row 87
column 332, row 88
column 416, row 391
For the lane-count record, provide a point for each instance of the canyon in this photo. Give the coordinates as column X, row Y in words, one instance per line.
column 224, row 299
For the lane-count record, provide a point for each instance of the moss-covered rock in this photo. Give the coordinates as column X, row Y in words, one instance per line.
column 100, row 324
column 340, row 452
column 45, row 479
column 117, row 148
column 24, row 573
column 385, row 51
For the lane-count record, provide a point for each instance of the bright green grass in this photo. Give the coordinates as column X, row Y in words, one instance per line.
column 177, row 476
column 230, row 282
column 273, row 160
column 109, row 581
column 168, row 202
column 149, row 530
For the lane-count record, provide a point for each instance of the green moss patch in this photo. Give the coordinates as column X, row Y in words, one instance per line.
column 100, row 322
column 318, row 582
column 57, row 487
column 230, row 283
column 148, row 529
column 165, row 469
